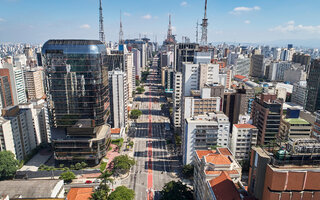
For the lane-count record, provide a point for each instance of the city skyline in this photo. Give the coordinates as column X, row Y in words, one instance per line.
column 262, row 22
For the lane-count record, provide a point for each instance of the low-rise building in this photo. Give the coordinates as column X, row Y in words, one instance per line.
column 204, row 131
column 286, row 171
column 217, row 175
column 32, row 189
column 244, row 136
column 294, row 126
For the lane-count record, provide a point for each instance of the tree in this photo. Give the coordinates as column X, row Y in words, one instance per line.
column 78, row 166
column 67, row 176
column 140, row 90
column 99, row 194
column 84, row 165
column 123, row 163
column 105, row 176
column 122, row 193
column 187, row 171
column 135, row 114
column 8, row 165
column 137, row 82
column 176, row 191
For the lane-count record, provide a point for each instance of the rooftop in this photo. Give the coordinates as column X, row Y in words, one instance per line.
column 115, row 131
column 296, row 121
column 244, row 126
column 224, row 188
column 29, row 188
column 79, row 193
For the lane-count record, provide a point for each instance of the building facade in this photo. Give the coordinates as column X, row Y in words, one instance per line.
column 119, row 100
column 203, row 132
column 266, row 115
column 78, row 93
column 243, row 137
column 34, row 84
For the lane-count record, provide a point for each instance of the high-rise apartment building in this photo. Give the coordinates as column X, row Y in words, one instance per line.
column 286, row 172
column 243, row 137
column 257, row 66
column 313, row 87
column 17, row 82
column 119, row 99
column 199, row 73
column 34, row 84
column 203, row 132
column 184, row 52
column 78, row 94
column 177, row 99
column 266, row 114
column 22, row 135
column 6, row 97
column 194, row 106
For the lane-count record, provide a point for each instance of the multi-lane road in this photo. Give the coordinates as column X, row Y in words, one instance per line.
column 155, row 166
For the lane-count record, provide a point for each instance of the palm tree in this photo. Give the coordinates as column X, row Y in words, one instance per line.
column 105, row 176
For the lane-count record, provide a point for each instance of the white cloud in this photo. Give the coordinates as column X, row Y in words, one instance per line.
column 85, row 26
column 239, row 10
column 148, row 16
column 247, row 22
column 184, row 4
column 2, row 20
column 126, row 14
column 291, row 27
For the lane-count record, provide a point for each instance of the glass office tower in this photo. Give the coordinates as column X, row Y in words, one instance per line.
column 78, row 96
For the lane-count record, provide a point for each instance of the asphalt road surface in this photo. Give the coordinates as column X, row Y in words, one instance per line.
column 154, row 164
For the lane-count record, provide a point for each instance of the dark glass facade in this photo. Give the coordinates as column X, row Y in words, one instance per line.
column 78, row 96
column 77, row 81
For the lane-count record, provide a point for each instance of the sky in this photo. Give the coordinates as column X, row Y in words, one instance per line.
column 239, row 21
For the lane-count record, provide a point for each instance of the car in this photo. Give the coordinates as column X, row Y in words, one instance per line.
column 88, row 182
column 97, row 181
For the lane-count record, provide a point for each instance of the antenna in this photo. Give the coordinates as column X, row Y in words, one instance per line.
column 197, row 32
column 169, row 35
column 101, row 30
column 121, row 31
column 204, row 36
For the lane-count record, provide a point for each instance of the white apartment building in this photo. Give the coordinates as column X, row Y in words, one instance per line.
column 34, row 84
column 242, row 66
column 195, row 76
column 204, row 131
column 22, row 130
column 119, row 98
column 299, row 93
column 194, row 106
column 277, row 69
column 177, row 99
column 137, row 62
column 17, row 83
column 6, row 136
column 243, row 137
column 131, row 74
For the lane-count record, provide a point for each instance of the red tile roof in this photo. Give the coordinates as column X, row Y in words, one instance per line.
column 244, row 126
column 217, row 159
column 224, row 151
column 115, row 131
column 79, row 193
column 239, row 76
column 201, row 153
column 223, row 188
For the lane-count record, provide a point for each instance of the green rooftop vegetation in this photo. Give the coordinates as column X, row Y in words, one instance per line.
column 296, row 121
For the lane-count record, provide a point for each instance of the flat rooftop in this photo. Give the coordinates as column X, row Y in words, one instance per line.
column 28, row 188
column 296, row 121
